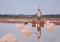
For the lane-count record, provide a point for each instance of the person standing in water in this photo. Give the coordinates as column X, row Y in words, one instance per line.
column 38, row 26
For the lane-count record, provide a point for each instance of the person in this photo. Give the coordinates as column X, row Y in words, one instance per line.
column 38, row 13
column 38, row 19
column 38, row 26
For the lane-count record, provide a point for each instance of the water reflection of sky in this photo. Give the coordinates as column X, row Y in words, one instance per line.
column 46, row 36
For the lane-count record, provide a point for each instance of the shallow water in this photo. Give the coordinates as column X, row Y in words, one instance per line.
column 45, row 37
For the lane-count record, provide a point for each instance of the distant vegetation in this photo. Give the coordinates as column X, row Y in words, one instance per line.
column 28, row 16
column 51, row 16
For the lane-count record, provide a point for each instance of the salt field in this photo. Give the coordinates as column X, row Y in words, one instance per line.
column 6, row 28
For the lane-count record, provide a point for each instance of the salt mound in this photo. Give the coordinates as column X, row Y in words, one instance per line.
column 50, row 27
column 26, row 32
column 19, row 26
column 47, row 23
column 9, row 38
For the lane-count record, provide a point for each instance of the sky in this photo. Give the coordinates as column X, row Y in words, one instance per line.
column 29, row 6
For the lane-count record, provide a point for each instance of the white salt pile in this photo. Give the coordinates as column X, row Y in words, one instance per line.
column 9, row 38
column 26, row 32
column 50, row 26
column 19, row 26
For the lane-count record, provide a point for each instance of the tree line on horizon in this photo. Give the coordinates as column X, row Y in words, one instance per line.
column 28, row 16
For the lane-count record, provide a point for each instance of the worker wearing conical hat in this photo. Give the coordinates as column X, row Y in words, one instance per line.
column 39, row 12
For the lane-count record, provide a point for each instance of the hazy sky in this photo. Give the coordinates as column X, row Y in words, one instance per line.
column 29, row 6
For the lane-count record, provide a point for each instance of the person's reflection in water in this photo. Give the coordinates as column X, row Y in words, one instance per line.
column 38, row 32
